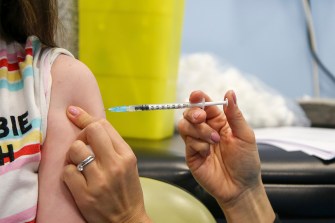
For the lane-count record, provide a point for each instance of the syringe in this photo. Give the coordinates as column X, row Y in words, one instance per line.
column 151, row 107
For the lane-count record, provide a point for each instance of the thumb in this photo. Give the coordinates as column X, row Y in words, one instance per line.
column 79, row 117
column 237, row 123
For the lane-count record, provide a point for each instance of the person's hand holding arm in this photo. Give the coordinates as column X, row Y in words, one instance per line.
column 108, row 189
column 222, row 155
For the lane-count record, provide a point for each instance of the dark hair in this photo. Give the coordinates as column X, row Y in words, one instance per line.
column 22, row 18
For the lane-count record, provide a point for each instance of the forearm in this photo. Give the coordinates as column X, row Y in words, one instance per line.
column 251, row 206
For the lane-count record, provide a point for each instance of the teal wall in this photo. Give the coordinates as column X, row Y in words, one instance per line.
column 266, row 38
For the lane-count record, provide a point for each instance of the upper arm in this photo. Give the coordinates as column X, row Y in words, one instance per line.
column 72, row 84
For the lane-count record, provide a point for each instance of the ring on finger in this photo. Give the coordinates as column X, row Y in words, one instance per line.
column 82, row 164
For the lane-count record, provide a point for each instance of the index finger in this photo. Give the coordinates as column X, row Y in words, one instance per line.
column 104, row 140
column 211, row 111
column 101, row 142
column 79, row 117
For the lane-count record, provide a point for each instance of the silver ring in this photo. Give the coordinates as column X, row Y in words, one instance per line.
column 82, row 164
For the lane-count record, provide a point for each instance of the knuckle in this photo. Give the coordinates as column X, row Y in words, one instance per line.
column 103, row 122
column 76, row 148
column 67, row 172
column 94, row 126
column 87, row 201
column 101, row 186
column 76, row 144
column 119, row 172
column 131, row 159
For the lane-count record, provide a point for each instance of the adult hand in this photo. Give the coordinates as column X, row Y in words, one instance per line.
column 222, row 155
column 108, row 189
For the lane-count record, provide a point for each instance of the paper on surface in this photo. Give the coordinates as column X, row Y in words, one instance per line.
column 319, row 142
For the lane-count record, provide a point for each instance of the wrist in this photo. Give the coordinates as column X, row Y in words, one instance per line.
column 138, row 217
column 252, row 205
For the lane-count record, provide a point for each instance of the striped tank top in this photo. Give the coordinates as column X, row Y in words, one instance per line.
column 25, row 85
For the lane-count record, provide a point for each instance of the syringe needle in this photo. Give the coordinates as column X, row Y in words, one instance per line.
column 151, row 107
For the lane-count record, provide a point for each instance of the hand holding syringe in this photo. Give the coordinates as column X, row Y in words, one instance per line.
column 151, row 107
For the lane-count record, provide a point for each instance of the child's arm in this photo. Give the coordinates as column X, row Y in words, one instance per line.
column 72, row 84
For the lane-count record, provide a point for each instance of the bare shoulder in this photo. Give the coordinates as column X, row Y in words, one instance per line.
column 69, row 67
column 74, row 84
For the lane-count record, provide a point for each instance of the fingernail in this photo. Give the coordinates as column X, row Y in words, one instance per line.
column 73, row 110
column 234, row 98
column 215, row 137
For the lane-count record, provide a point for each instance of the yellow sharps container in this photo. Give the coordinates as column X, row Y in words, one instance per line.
column 133, row 48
